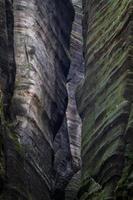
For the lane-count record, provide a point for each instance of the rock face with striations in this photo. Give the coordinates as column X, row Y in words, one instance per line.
column 34, row 50
column 75, row 75
column 67, row 142
column 40, row 128
column 105, row 101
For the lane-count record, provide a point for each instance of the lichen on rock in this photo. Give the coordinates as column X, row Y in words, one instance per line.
column 105, row 100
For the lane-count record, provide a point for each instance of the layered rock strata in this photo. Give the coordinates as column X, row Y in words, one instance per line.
column 35, row 38
column 76, row 74
column 105, row 101
column 39, row 139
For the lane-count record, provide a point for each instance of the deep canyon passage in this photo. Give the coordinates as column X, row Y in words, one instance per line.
column 66, row 92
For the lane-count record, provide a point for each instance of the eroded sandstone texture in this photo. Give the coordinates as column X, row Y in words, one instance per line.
column 75, row 75
column 34, row 46
column 105, row 101
column 40, row 128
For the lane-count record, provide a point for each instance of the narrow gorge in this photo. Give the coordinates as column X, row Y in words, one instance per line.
column 66, row 91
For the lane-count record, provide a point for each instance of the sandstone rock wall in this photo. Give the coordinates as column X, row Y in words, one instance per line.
column 105, row 101
column 40, row 128
column 35, row 48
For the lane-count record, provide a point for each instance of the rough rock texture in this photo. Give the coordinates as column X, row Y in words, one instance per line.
column 74, row 77
column 73, row 186
column 105, row 101
column 40, row 129
column 34, row 46
column 7, row 76
column 63, row 170
column 67, row 141
column 73, row 120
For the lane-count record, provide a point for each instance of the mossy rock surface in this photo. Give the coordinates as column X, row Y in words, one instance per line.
column 105, row 101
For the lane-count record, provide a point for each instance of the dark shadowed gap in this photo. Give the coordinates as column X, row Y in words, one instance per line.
column 67, row 160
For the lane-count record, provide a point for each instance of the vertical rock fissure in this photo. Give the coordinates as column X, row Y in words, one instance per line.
column 41, row 67
column 67, row 142
column 75, row 76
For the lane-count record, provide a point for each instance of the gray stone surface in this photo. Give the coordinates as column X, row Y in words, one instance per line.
column 36, row 41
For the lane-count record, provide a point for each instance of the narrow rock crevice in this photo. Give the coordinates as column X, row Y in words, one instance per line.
column 41, row 85
column 67, row 143
column 75, row 76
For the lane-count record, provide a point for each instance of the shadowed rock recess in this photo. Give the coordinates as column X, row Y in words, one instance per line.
column 44, row 154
